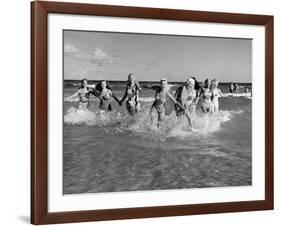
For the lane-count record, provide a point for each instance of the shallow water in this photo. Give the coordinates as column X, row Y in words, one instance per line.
column 115, row 152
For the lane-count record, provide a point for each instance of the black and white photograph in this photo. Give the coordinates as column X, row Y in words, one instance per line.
column 146, row 112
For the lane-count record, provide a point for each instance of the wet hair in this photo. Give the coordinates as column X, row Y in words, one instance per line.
column 215, row 81
column 84, row 79
column 196, row 85
column 128, row 81
column 129, row 75
column 99, row 88
column 206, row 83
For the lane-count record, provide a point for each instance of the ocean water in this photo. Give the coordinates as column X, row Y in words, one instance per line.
column 115, row 152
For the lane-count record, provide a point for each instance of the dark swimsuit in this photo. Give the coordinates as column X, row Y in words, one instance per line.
column 132, row 103
column 105, row 102
column 160, row 100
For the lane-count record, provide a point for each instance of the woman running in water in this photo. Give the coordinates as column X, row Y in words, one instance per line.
column 132, row 95
column 216, row 93
column 105, row 95
column 206, row 93
column 161, row 95
column 83, row 93
column 186, row 95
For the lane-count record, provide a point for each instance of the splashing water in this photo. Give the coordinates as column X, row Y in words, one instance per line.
column 110, row 152
column 142, row 124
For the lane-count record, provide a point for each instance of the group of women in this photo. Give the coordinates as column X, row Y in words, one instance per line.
column 185, row 98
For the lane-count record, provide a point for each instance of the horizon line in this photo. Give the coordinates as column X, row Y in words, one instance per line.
column 98, row 80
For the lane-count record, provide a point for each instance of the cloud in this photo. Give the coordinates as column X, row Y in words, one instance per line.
column 98, row 56
column 101, row 58
column 70, row 49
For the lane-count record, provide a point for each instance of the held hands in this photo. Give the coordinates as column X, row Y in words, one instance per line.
column 179, row 104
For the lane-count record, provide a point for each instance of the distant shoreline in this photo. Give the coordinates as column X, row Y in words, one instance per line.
column 170, row 82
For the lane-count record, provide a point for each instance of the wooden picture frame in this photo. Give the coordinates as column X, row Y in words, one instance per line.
column 39, row 109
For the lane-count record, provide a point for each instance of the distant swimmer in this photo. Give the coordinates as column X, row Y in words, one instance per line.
column 231, row 87
column 216, row 93
column 236, row 88
column 131, row 95
column 105, row 94
column 161, row 95
column 83, row 93
column 206, row 94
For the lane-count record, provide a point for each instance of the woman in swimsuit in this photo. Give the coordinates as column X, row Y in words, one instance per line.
column 161, row 95
column 83, row 93
column 132, row 95
column 186, row 95
column 206, row 93
column 105, row 95
column 216, row 93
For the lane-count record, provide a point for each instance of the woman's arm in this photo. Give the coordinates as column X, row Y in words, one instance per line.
column 93, row 86
column 174, row 100
column 72, row 96
column 115, row 98
column 198, row 96
column 220, row 93
column 124, row 97
column 138, row 86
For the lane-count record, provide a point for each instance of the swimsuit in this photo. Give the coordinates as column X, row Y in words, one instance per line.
column 215, row 95
column 207, row 96
column 83, row 98
column 186, row 98
column 132, row 103
column 160, row 100
column 105, row 99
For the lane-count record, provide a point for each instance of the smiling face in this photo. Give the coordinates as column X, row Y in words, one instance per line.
column 190, row 83
column 103, row 84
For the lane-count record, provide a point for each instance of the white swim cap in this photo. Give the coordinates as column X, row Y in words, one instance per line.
column 163, row 79
column 191, row 80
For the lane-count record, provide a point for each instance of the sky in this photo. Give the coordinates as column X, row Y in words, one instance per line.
column 112, row 56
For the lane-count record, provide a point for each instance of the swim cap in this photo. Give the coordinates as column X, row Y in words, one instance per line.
column 191, row 80
column 163, row 79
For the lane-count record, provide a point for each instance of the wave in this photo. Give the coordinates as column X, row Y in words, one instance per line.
column 75, row 116
column 247, row 95
column 144, row 125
